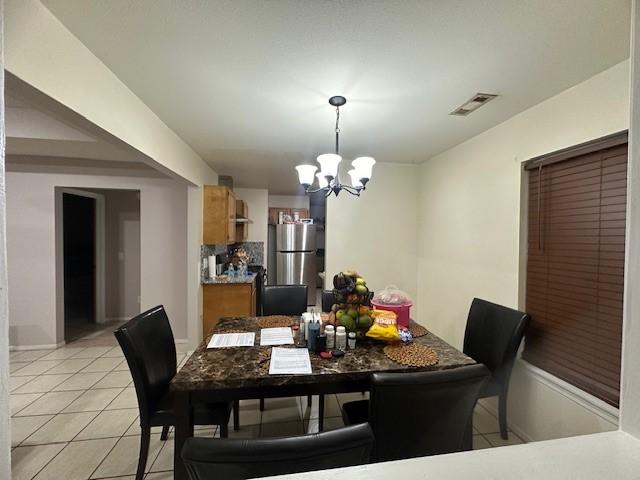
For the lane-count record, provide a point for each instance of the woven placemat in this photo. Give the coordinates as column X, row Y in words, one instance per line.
column 417, row 330
column 274, row 321
column 411, row 355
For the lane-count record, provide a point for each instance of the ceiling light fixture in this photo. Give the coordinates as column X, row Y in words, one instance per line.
column 329, row 176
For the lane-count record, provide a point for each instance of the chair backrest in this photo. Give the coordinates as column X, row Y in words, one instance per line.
column 328, row 299
column 284, row 299
column 231, row 459
column 424, row 413
column 493, row 335
column 149, row 347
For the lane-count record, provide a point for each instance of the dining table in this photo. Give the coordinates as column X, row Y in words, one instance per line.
column 237, row 373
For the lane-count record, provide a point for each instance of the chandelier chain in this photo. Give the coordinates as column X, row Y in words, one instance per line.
column 337, row 130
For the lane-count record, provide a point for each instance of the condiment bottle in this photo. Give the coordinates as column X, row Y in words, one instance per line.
column 314, row 333
column 330, row 332
column 341, row 338
column 352, row 340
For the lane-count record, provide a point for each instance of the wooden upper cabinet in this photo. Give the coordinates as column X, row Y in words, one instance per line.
column 219, row 212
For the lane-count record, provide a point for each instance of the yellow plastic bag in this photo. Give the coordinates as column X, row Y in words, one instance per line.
column 384, row 326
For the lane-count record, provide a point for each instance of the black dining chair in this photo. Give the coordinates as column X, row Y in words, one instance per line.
column 492, row 337
column 419, row 414
column 328, row 300
column 284, row 299
column 234, row 459
column 149, row 347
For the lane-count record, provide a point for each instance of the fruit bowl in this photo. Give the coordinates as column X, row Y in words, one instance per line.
column 352, row 309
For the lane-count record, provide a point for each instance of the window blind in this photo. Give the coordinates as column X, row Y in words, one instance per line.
column 575, row 267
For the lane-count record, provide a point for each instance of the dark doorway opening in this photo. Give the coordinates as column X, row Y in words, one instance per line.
column 79, row 240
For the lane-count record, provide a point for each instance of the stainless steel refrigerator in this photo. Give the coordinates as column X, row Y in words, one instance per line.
column 296, row 257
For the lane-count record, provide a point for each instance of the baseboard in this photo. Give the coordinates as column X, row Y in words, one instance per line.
column 181, row 340
column 117, row 319
column 49, row 346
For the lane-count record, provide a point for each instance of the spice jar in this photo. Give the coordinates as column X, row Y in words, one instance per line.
column 352, row 340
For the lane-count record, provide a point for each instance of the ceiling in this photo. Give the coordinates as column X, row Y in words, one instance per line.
column 246, row 83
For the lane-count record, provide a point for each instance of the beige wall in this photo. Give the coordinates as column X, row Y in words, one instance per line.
column 469, row 234
column 630, row 401
column 289, row 201
column 122, row 253
column 31, row 250
column 258, row 205
column 5, row 420
column 376, row 233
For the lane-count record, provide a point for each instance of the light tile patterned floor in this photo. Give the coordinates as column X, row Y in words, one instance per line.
column 75, row 416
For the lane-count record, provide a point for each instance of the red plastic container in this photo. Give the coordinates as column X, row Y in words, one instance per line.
column 401, row 311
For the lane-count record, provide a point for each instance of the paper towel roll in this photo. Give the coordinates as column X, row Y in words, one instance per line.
column 212, row 266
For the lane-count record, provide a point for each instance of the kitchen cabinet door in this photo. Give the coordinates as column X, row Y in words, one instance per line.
column 219, row 215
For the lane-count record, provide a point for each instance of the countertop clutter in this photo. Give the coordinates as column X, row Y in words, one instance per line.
column 225, row 279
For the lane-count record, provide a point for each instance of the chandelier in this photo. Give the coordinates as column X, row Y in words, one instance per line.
column 329, row 177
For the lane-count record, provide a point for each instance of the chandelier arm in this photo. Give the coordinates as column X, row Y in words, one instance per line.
column 351, row 190
column 310, row 190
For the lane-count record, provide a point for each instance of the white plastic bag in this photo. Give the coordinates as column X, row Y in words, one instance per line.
column 392, row 295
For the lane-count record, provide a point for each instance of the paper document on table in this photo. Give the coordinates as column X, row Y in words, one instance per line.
column 223, row 340
column 289, row 361
column 276, row 336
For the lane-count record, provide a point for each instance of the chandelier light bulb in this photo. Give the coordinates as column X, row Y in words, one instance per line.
column 306, row 174
column 364, row 167
column 322, row 180
column 355, row 178
column 329, row 164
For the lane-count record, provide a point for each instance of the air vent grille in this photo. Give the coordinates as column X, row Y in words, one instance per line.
column 475, row 102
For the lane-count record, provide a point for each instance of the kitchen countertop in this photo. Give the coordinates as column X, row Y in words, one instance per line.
column 224, row 280
column 589, row 457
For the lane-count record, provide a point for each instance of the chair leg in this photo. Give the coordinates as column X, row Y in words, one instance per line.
column 309, row 400
column 262, row 404
column 236, row 415
column 165, row 433
column 145, row 436
column 502, row 414
column 321, row 412
column 224, row 431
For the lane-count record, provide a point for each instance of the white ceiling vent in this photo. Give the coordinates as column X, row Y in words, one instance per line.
column 478, row 100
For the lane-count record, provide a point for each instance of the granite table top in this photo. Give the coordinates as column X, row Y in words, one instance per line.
column 247, row 367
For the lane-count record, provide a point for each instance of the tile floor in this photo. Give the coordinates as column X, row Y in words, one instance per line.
column 75, row 416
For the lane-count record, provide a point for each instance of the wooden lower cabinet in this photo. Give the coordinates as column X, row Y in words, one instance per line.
column 226, row 300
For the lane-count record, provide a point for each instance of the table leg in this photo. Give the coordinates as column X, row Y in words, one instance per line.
column 320, row 412
column 184, row 429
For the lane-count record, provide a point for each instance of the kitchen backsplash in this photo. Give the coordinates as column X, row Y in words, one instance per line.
column 255, row 250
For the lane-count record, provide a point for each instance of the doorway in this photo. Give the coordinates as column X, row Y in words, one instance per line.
column 98, row 261
column 79, row 263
